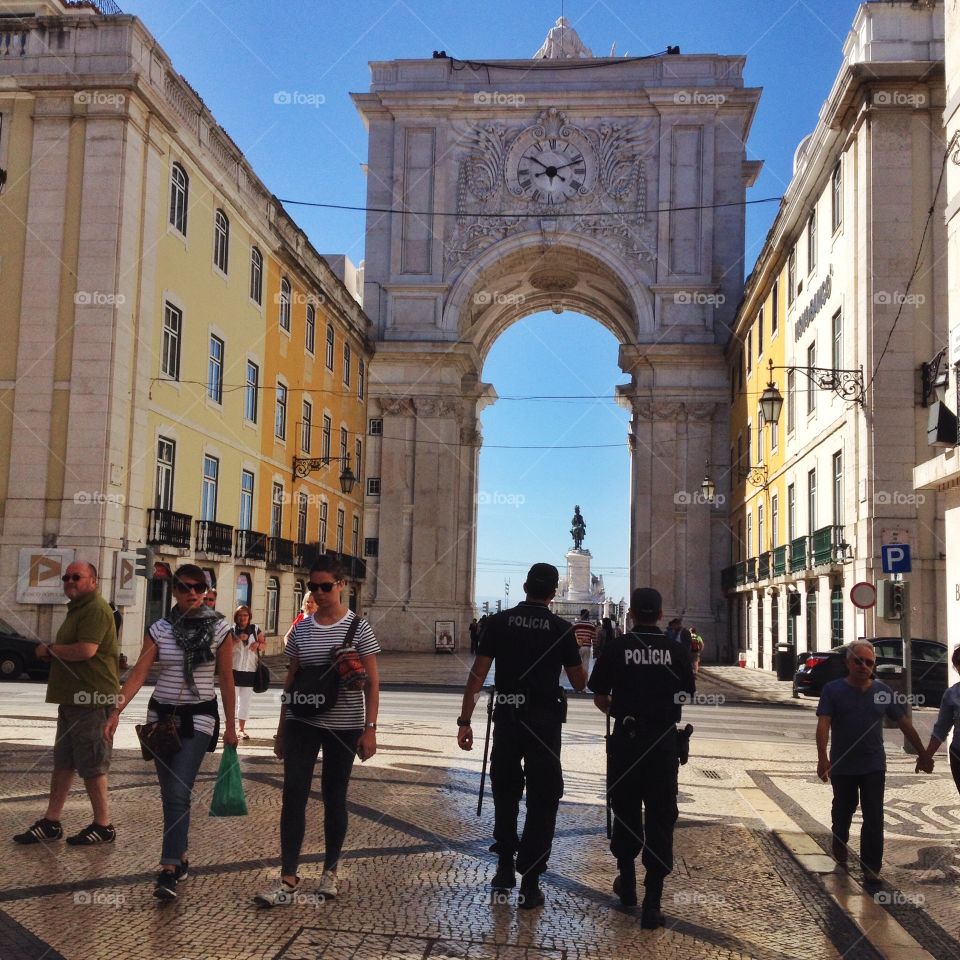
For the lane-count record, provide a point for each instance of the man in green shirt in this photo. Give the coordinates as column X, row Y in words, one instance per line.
column 85, row 683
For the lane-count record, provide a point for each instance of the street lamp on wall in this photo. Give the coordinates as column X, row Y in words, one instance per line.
column 846, row 384
column 303, row 466
column 708, row 488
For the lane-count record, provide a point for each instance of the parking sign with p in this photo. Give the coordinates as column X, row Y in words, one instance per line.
column 895, row 557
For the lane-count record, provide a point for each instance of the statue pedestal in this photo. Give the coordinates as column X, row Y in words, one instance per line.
column 578, row 575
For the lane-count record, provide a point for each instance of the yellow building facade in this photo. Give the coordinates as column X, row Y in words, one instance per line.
column 143, row 269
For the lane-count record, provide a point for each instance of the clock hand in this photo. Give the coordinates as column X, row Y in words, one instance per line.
column 570, row 164
column 553, row 176
column 535, row 160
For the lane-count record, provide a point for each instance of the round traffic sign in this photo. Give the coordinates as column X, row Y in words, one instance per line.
column 863, row 595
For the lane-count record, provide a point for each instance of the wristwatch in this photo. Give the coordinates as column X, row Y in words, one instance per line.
column 462, row 723
column 369, row 726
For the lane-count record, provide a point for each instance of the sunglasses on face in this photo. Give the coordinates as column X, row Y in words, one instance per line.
column 187, row 586
column 67, row 577
column 325, row 587
column 864, row 663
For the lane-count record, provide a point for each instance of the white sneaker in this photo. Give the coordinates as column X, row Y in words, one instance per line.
column 282, row 895
column 327, row 887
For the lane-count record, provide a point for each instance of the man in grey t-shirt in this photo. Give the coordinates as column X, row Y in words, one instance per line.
column 850, row 715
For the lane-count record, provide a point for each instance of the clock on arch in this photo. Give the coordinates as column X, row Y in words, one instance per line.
column 551, row 163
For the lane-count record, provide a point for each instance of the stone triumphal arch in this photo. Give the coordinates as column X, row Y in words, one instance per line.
column 610, row 187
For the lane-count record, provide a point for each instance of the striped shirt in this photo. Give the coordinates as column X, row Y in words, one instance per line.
column 313, row 644
column 171, row 686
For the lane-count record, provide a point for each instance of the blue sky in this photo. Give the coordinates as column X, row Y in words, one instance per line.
column 240, row 55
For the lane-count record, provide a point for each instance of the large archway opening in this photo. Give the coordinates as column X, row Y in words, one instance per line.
column 555, row 438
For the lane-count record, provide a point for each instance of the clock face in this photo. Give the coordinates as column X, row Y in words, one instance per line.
column 551, row 171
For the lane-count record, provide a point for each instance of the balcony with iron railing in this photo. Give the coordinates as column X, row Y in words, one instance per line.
column 214, row 538
column 105, row 7
column 279, row 552
column 250, row 545
column 166, row 528
column 827, row 545
column 780, row 560
column 798, row 554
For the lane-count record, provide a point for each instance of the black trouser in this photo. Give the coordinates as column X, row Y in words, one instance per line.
column 643, row 796
column 955, row 768
column 301, row 745
column 526, row 749
column 869, row 788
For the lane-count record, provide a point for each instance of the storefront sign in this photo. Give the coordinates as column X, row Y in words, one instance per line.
column 39, row 573
column 817, row 302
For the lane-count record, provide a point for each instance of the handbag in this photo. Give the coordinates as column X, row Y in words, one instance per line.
column 349, row 666
column 315, row 689
column 159, row 739
column 261, row 677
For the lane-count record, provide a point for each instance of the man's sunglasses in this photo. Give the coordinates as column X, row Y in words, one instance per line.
column 187, row 586
column 67, row 577
column 325, row 587
column 864, row 663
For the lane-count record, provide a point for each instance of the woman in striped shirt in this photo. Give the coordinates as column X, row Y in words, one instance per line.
column 346, row 730
column 190, row 644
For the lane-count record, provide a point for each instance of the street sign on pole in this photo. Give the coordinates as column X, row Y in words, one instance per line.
column 863, row 595
column 895, row 557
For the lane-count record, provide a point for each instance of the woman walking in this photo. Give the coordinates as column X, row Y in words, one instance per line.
column 189, row 645
column 248, row 644
column 308, row 607
column 949, row 717
column 345, row 731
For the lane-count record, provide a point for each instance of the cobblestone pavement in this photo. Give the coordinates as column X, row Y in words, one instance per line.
column 416, row 869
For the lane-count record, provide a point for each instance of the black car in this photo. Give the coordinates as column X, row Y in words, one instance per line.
column 18, row 656
column 929, row 659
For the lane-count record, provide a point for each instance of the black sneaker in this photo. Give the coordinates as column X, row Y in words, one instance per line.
column 505, row 878
column 166, row 885
column 626, row 889
column 530, row 897
column 652, row 917
column 182, row 869
column 42, row 831
column 92, row 835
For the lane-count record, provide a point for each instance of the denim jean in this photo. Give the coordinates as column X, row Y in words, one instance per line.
column 176, row 786
column 868, row 788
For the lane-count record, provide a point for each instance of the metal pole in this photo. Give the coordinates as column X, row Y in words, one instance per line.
column 486, row 747
column 905, row 636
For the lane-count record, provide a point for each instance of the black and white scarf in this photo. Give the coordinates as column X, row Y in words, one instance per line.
column 194, row 632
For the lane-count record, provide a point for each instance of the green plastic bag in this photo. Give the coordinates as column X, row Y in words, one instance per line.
column 228, row 799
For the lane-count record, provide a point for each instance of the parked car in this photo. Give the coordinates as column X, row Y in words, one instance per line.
column 18, row 656
column 929, row 658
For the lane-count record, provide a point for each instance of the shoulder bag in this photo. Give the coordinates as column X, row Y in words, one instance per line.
column 261, row 676
column 315, row 689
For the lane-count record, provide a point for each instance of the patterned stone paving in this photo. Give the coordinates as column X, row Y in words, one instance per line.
column 416, row 868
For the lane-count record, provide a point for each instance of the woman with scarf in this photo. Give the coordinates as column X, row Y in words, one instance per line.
column 189, row 646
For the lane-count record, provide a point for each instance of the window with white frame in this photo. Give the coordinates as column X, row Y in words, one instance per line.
column 774, row 522
column 761, row 543
column 310, row 335
column 361, row 377
column 811, row 500
column 346, row 364
column 355, row 536
column 343, row 446
column 179, row 197
column 812, row 241
column 256, row 276
column 760, row 319
column 774, row 308
column 373, row 486
column 215, row 370
column 166, row 453
column 811, row 383
column 322, row 527
column 251, row 392
column 371, row 546
column 306, row 428
column 325, row 438
column 792, row 276
column 221, row 241
column 749, row 357
column 838, row 489
column 328, row 358
column 280, row 414
column 285, row 296
column 836, row 198
column 276, row 510
column 246, row 500
column 340, row 523
column 358, row 453
column 375, row 427
column 791, row 401
column 170, row 342
column 791, row 513
column 273, row 604
column 208, row 492
column 837, row 341
column 749, row 543
column 301, row 517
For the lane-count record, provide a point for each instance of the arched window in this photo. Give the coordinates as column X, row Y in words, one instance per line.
column 273, row 604
column 256, row 276
column 179, row 197
column 285, row 304
column 221, row 241
column 244, row 589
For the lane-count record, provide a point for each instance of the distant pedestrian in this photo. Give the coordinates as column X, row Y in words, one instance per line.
column 696, row 648
column 248, row 645
column 210, row 600
column 190, row 645
column 586, row 634
column 531, row 646
column 850, row 716
column 474, row 635
column 605, row 633
column 308, row 607
column 673, row 629
column 84, row 683
column 641, row 680
column 949, row 717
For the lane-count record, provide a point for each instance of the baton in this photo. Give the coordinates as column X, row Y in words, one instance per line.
column 609, row 810
column 486, row 747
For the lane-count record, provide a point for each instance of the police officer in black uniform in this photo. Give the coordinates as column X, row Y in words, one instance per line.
column 642, row 678
column 530, row 645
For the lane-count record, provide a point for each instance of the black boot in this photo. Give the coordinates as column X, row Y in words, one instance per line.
column 531, row 895
column 505, row 878
column 652, row 916
column 625, row 885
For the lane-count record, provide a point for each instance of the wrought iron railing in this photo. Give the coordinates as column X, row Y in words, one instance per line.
column 213, row 537
column 168, row 528
column 250, row 545
column 107, row 7
column 279, row 552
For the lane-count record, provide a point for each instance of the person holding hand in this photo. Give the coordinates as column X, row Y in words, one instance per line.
column 948, row 717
